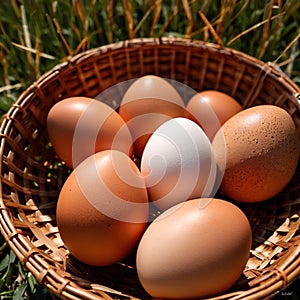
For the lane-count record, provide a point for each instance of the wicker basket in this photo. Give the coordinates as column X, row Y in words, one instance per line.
column 31, row 175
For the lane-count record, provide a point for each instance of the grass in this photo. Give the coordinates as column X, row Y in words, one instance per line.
column 35, row 35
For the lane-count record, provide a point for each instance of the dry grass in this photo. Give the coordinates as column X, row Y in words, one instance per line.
column 37, row 35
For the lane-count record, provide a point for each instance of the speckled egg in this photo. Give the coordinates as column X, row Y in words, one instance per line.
column 261, row 153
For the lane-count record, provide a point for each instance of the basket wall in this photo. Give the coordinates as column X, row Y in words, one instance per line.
column 32, row 174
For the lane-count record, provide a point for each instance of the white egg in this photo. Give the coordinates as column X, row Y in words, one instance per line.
column 178, row 164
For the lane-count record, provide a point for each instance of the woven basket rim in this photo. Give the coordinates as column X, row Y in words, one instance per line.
column 71, row 60
column 46, row 271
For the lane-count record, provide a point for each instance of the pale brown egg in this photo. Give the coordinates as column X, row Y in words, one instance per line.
column 195, row 249
column 261, row 153
column 80, row 126
column 211, row 109
column 149, row 102
column 102, row 210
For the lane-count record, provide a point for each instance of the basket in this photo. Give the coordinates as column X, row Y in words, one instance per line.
column 32, row 175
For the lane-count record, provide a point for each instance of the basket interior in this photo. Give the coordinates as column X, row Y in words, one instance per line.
column 32, row 175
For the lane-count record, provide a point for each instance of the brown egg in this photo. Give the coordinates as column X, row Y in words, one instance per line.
column 211, row 109
column 261, row 153
column 80, row 126
column 102, row 210
column 149, row 102
column 193, row 250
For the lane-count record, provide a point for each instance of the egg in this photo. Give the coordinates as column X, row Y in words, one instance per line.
column 211, row 109
column 102, row 209
column 195, row 249
column 262, row 151
column 178, row 163
column 147, row 103
column 80, row 126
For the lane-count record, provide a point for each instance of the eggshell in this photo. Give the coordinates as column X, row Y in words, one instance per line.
column 149, row 102
column 211, row 109
column 195, row 249
column 262, row 151
column 102, row 209
column 178, row 163
column 80, row 126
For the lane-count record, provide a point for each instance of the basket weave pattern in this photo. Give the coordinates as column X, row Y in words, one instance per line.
column 32, row 174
